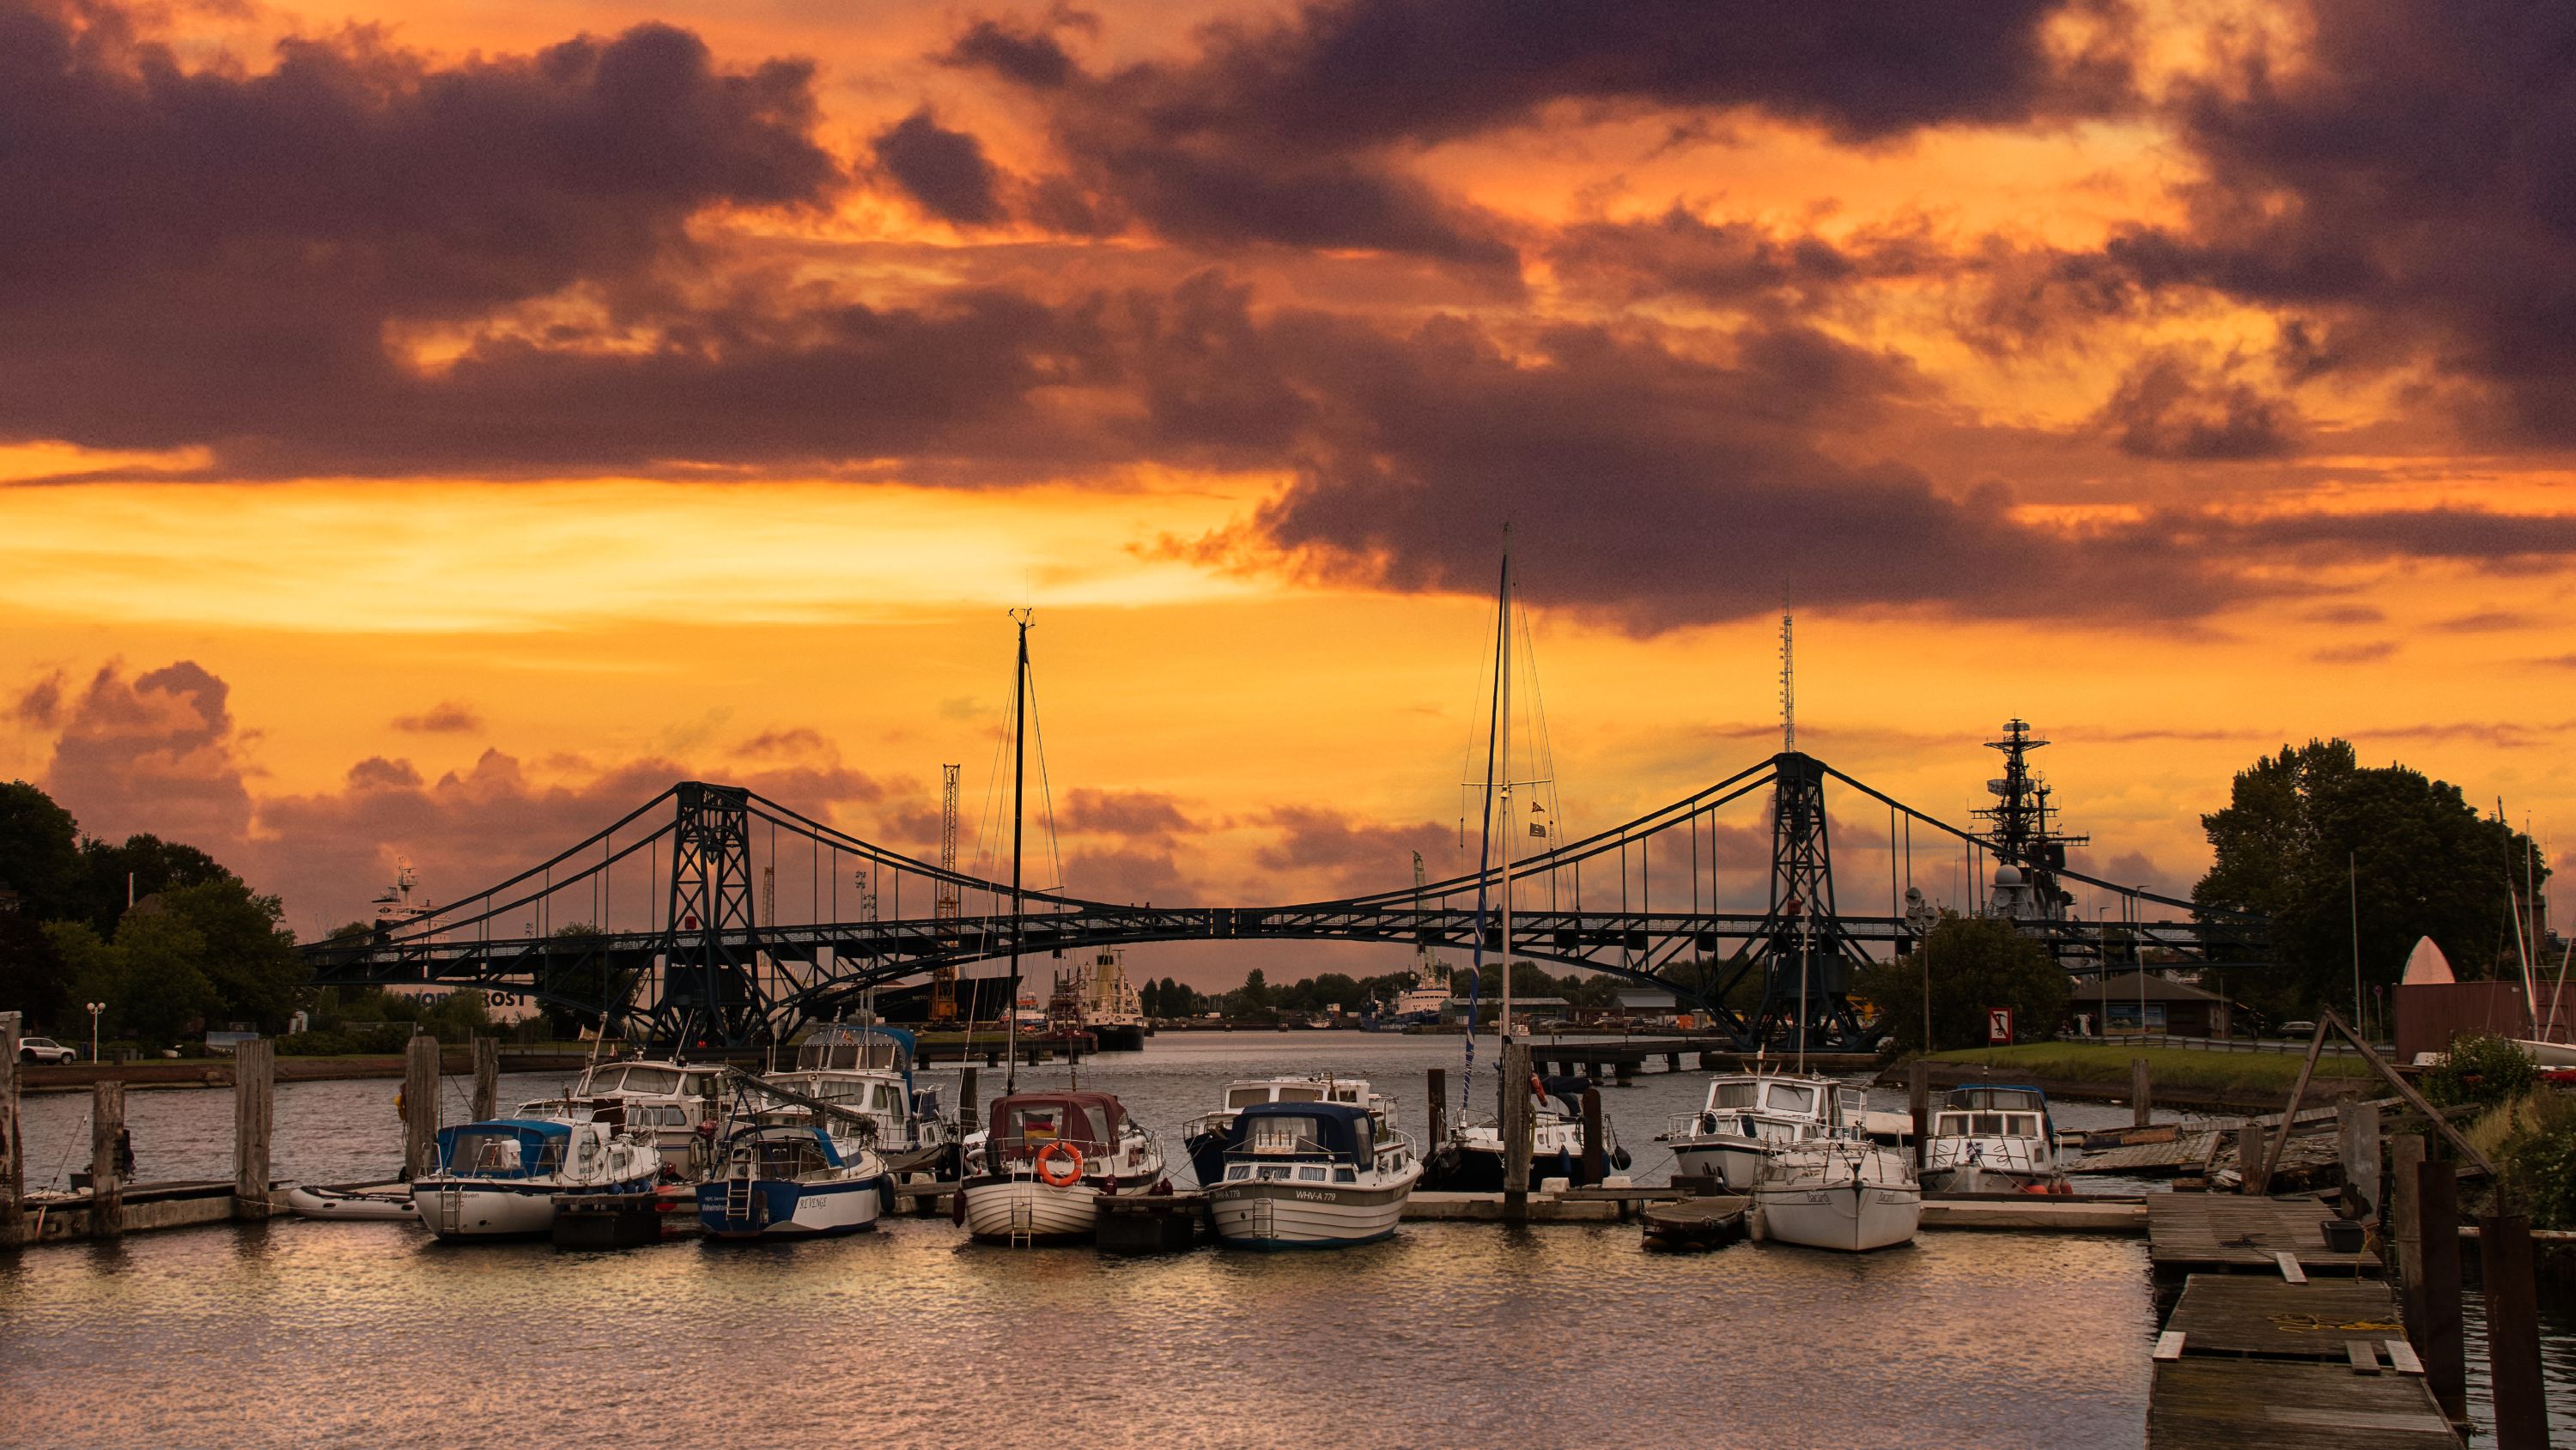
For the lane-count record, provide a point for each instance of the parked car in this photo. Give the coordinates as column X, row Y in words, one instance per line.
column 2298, row 1029
column 46, row 1049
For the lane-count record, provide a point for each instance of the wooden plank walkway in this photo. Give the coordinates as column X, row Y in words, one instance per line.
column 2247, row 1314
column 2230, row 1404
column 2225, row 1231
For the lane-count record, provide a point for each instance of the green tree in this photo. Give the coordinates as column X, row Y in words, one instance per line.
column 92, row 971
column 2310, row 831
column 33, row 977
column 39, row 852
column 1149, row 998
column 1976, row 964
column 249, row 957
column 1255, row 991
column 162, row 990
column 144, row 865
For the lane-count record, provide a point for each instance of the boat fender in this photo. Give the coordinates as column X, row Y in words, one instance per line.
column 1052, row 1153
column 1619, row 1159
column 706, row 1127
column 885, row 1197
column 957, row 1205
column 1538, row 1089
column 1708, row 1122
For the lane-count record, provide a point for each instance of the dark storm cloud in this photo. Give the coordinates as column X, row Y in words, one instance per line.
column 1726, row 263
column 2400, row 195
column 944, row 171
column 2164, row 407
column 1286, row 131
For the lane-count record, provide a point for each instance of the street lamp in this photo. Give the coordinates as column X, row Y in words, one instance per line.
column 94, row 1009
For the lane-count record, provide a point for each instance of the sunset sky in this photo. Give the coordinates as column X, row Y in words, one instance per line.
column 428, row 429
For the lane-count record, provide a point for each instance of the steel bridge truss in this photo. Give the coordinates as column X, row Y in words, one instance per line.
column 706, row 971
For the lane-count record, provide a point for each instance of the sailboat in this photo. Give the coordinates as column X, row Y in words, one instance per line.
column 1472, row 1159
column 1036, row 1175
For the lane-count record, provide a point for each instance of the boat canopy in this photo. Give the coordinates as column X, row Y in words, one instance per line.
column 1026, row 1122
column 503, row 1148
column 842, row 1046
column 1303, row 1129
column 2017, row 1097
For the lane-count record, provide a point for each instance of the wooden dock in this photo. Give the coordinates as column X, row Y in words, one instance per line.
column 2246, row 1360
column 2193, row 1232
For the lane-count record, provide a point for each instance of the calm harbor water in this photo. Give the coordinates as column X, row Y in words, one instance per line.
column 303, row 1333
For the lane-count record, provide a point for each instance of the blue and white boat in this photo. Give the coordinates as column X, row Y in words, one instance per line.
column 500, row 1178
column 789, row 1180
column 1311, row 1176
column 866, row 1069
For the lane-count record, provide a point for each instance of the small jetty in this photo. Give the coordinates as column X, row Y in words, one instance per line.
column 2191, row 1232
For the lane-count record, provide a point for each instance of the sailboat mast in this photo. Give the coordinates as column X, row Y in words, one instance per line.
column 1511, row 823
column 1019, row 787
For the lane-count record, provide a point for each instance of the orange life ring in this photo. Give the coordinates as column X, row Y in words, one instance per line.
column 1049, row 1154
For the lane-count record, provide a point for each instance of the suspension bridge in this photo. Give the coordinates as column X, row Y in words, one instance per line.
column 705, row 959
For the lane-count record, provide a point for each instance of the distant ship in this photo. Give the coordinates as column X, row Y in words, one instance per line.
column 1419, row 1006
column 1097, row 998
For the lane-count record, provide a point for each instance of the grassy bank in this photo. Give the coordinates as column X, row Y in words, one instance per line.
column 2195, row 1069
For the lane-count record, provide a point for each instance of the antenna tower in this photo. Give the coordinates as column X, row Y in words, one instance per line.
column 1788, row 686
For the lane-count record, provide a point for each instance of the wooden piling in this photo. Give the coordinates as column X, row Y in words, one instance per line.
column 1438, row 1118
column 106, row 1177
column 2513, row 1332
column 2444, row 1347
column 420, row 1108
column 2253, row 1156
column 2405, row 1237
column 1596, row 1154
column 2357, row 1145
column 487, row 1078
column 1918, row 1105
column 1516, row 1132
column 254, row 1089
column 13, row 1167
column 2142, row 1092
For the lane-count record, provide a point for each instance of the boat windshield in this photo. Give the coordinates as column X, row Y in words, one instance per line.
column 1285, row 1135
column 1732, row 1094
column 1990, row 1125
column 1790, row 1098
column 656, row 1081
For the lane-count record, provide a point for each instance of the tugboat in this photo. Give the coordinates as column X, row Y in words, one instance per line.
column 783, row 1180
column 1993, row 1139
column 1110, row 1008
column 1037, row 1174
column 1311, row 1176
column 1837, row 1193
column 1207, row 1136
column 500, row 1178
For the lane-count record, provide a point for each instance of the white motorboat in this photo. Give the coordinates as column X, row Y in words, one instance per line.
column 1837, row 1193
column 783, row 1180
column 1205, row 1138
column 1993, row 1139
column 1748, row 1117
column 1311, row 1176
column 676, row 1104
column 500, row 1178
column 1472, row 1160
column 1037, row 1174
column 866, row 1070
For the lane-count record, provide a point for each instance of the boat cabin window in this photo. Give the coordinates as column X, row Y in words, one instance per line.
column 1282, row 1135
column 1238, row 1171
column 1344, row 1175
column 649, row 1080
column 1055, row 1121
column 1310, row 1175
column 887, row 1099
column 1279, row 1172
column 1990, row 1125
column 1791, row 1098
column 1852, row 1101
column 1731, row 1095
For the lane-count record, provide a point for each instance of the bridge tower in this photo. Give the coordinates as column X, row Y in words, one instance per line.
column 711, row 988
column 1800, row 937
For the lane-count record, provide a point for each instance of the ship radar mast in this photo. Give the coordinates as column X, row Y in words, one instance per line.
column 2029, row 849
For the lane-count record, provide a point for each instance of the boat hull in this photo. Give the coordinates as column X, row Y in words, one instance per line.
column 1480, row 1170
column 1305, row 1216
column 1735, row 1162
column 2548, row 1054
column 472, row 1209
column 1981, row 1178
column 1025, row 1211
column 1853, row 1217
column 1120, row 1036
column 785, row 1209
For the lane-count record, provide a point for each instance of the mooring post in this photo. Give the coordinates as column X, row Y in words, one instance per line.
column 2357, row 1145
column 2405, row 1236
column 487, row 1078
column 2142, row 1092
column 2253, row 1157
column 420, row 1107
column 13, row 1167
column 106, row 1175
column 2513, row 1332
column 1438, row 1117
column 254, row 1082
column 2445, row 1350
column 1596, row 1156
column 1918, row 1105
column 1516, row 1132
